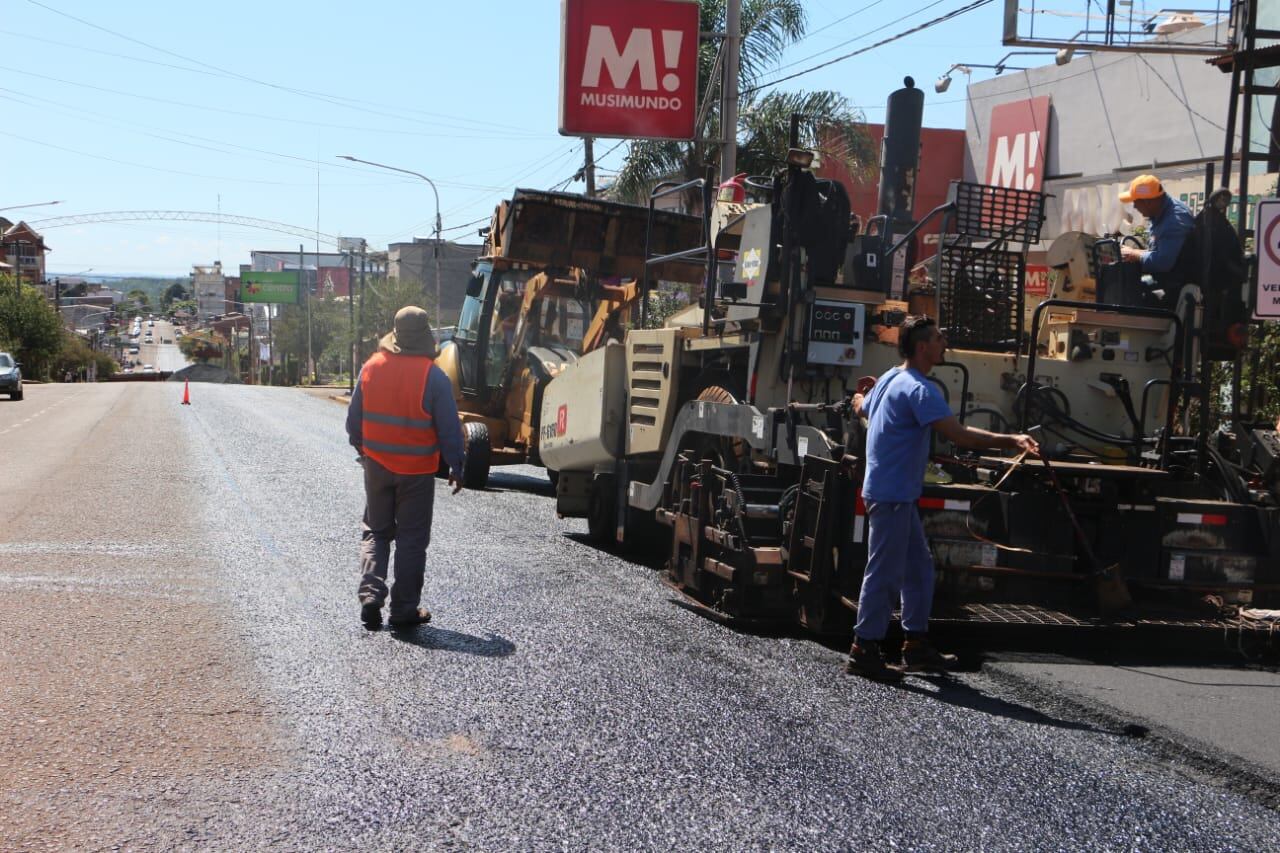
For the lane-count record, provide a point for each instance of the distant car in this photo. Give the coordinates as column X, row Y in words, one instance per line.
column 133, row 350
column 10, row 376
column 148, row 368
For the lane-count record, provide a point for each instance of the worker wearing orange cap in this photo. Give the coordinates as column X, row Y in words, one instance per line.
column 1171, row 224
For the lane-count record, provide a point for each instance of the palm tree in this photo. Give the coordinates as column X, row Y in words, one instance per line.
column 828, row 122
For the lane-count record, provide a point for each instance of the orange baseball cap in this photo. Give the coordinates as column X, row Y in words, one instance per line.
column 1143, row 186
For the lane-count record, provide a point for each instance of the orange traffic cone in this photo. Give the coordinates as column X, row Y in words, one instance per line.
column 186, row 392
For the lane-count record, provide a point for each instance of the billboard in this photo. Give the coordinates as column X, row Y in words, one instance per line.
column 1019, row 134
column 334, row 281
column 273, row 287
column 629, row 69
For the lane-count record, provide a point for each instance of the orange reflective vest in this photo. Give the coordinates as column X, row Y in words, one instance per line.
column 396, row 431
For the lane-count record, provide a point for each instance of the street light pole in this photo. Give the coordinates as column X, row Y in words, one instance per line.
column 36, row 204
column 439, row 229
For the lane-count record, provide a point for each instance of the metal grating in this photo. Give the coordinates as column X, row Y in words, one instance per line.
column 1014, row 614
column 980, row 298
column 985, row 212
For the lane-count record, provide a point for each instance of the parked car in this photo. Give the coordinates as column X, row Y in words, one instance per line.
column 10, row 376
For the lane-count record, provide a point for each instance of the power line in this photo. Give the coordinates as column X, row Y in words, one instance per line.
column 840, row 20
column 150, row 167
column 366, row 129
column 551, row 161
column 335, row 100
column 858, row 37
column 940, row 19
column 1178, row 97
column 208, row 144
column 465, row 225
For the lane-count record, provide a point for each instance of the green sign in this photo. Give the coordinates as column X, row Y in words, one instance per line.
column 274, row 287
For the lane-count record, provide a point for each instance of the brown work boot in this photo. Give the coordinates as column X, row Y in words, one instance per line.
column 919, row 655
column 421, row 616
column 865, row 660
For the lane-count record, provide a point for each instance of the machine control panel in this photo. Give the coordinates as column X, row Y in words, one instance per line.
column 835, row 332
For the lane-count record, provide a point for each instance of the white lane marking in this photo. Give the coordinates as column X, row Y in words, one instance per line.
column 31, row 418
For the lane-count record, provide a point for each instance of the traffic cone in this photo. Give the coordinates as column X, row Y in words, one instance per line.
column 186, row 392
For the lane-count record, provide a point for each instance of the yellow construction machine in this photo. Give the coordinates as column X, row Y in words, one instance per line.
column 558, row 277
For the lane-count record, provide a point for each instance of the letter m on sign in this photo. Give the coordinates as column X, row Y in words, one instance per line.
column 1017, row 141
column 629, row 68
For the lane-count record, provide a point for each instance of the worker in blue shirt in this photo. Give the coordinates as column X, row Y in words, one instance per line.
column 1171, row 225
column 903, row 409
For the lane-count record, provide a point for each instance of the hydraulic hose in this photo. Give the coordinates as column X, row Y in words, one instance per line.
column 1045, row 399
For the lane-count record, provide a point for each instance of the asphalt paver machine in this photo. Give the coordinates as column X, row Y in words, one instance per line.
column 727, row 435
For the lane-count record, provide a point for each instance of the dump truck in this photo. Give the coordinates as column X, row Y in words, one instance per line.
column 557, row 277
column 728, row 435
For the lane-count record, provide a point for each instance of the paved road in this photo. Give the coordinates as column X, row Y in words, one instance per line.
column 163, row 357
column 181, row 666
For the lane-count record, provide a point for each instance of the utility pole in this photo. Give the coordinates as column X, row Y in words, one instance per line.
column 589, row 167
column 311, row 363
column 351, row 320
column 359, row 317
column 253, row 351
column 439, row 310
column 363, row 258
column 729, row 91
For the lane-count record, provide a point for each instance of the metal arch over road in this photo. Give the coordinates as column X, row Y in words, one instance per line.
column 183, row 216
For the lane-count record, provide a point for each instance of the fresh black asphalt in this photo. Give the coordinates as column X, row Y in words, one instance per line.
column 561, row 699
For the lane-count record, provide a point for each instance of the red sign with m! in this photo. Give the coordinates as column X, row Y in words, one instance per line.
column 1019, row 135
column 629, row 68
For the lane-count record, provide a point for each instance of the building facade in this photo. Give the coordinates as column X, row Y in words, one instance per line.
column 23, row 249
column 416, row 261
column 209, row 286
column 1081, row 131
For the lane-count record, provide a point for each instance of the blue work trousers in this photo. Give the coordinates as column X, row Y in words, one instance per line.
column 898, row 565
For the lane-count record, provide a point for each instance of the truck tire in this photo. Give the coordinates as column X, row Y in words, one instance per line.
column 475, row 462
column 16, row 395
column 602, row 512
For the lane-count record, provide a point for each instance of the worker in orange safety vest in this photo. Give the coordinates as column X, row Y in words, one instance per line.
column 401, row 420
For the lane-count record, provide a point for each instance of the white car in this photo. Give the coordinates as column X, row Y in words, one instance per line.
column 148, row 368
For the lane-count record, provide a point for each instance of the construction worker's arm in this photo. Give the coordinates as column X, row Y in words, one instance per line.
column 355, row 418
column 438, row 401
column 973, row 438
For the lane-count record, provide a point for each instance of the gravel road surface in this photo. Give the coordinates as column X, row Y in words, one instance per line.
column 182, row 666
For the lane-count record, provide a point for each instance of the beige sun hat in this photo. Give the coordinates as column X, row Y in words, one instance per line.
column 412, row 333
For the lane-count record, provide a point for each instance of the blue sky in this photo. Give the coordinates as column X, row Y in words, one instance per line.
column 158, row 114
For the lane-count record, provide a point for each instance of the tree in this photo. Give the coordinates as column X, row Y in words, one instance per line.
column 173, row 293
column 829, row 124
column 383, row 298
column 140, row 299
column 75, row 356
column 329, row 326
column 203, row 346
column 29, row 327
